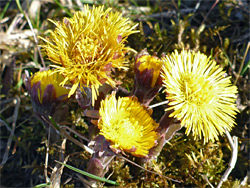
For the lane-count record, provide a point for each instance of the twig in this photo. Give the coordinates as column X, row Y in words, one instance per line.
column 76, row 133
column 234, row 151
column 13, row 24
column 88, row 149
column 242, row 38
column 206, row 179
column 63, row 149
column 84, row 181
column 120, row 156
column 6, row 125
column 58, row 169
column 79, row 4
column 36, row 41
column 8, row 105
column 195, row 9
column 47, row 159
column 158, row 104
column 215, row 3
column 108, row 176
column 245, row 180
column 65, row 134
column 6, row 101
column 5, row 156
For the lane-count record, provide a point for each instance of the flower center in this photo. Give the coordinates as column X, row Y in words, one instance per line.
column 126, row 132
column 128, row 129
column 197, row 89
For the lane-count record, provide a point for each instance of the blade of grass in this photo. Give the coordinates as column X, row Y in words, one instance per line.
column 88, row 174
column 242, row 63
column 62, row 7
column 179, row 7
column 5, row 9
column 53, row 123
column 19, row 84
column 41, row 185
column 245, row 68
column 229, row 61
column 134, row 2
column 247, row 64
column 87, row 1
column 19, row 7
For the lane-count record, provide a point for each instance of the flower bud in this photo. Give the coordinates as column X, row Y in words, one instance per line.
column 147, row 80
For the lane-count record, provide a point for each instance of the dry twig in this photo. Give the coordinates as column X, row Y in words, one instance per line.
column 215, row 3
column 35, row 38
column 6, row 125
column 58, row 169
column 233, row 142
column 47, row 159
column 17, row 101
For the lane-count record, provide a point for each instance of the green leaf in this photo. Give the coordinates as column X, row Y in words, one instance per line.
column 5, row 9
column 88, row 174
column 19, row 84
column 245, row 68
column 42, row 185
column 62, row 7
column 53, row 123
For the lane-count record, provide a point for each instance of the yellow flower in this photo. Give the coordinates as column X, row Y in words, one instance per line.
column 199, row 93
column 147, row 80
column 88, row 46
column 150, row 62
column 127, row 124
column 45, row 80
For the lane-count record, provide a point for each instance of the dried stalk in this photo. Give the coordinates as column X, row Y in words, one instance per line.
column 16, row 101
column 6, row 125
column 215, row 3
column 8, row 105
column 152, row 172
column 76, row 133
column 58, row 169
column 206, row 179
column 36, row 41
column 159, row 104
column 65, row 134
column 47, row 159
column 234, row 150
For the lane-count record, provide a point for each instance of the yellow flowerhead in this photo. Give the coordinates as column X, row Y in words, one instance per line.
column 199, row 93
column 150, row 62
column 147, row 80
column 48, row 85
column 127, row 125
column 87, row 46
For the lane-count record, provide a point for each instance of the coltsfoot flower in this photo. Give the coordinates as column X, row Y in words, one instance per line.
column 44, row 87
column 147, row 80
column 47, row 98
column 46, row 93
column 86, row 47
column 199, row 93
column 127, row 125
